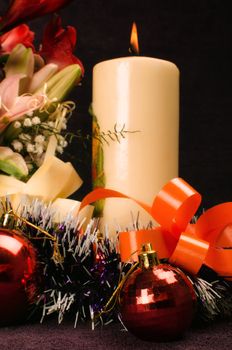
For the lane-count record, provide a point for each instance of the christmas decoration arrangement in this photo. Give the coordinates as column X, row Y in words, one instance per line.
column 56, row 260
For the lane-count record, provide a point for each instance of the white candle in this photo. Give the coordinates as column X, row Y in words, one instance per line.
column 143, row 94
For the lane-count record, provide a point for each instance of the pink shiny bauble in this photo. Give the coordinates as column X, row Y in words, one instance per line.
column 157, row 304
column 18, row 280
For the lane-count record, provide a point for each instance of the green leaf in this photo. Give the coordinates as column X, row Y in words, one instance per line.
column 9, row 167
column 12, row 163
column 10, row 133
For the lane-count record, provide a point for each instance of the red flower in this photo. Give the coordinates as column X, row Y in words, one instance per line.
column 19, row 35
column 58, row 44
column 23, row 10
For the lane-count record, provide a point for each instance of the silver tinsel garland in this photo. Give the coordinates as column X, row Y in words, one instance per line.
column 81, row 277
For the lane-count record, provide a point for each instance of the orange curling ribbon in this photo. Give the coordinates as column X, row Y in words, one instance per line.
column 186, row 245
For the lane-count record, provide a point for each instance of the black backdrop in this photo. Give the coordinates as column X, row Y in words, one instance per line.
column 196, row 36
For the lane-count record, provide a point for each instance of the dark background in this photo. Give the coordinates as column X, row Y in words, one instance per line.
column 196, row 36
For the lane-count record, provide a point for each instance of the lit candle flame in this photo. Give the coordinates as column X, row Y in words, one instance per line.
column 134, row 40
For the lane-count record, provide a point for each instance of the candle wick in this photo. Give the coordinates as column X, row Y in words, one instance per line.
column 132, row 50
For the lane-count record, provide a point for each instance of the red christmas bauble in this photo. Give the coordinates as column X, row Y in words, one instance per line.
column 158, row 303
column 18, row 278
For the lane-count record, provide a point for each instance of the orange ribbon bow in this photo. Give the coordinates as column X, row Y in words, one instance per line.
column 208, row 241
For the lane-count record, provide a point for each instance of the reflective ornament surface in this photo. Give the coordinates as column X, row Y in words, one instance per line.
column 157, row 303
column 18, row 279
